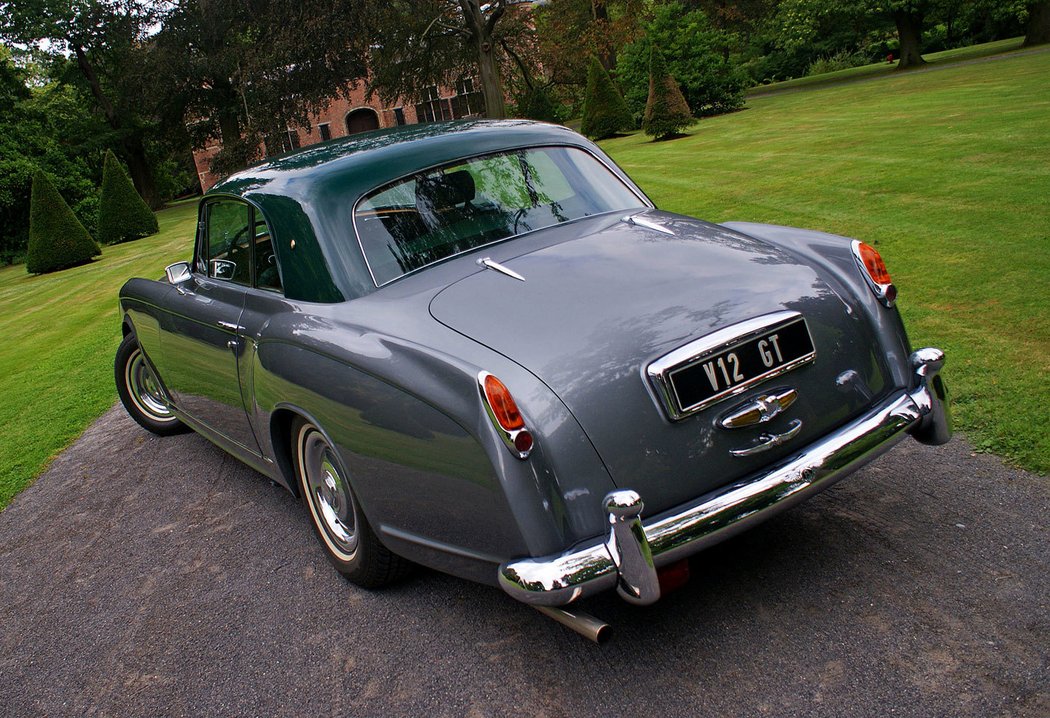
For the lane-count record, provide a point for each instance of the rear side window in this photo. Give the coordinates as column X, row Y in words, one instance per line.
column 443, row 212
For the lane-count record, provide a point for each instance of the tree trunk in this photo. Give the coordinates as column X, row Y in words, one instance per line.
column 480, row 29
column 909, row 32
column 606, row 53
column 133, row 151
column 1038, row 30
column 491, row 87
column 139, row 170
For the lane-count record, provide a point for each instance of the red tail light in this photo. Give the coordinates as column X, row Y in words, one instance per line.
column 504, row 409
column 505, row 416
column 875, row 272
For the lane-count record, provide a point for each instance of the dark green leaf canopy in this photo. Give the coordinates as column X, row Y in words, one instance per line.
column 666, row 112
column 604, row 111
column 122, row 215
column 57, row 239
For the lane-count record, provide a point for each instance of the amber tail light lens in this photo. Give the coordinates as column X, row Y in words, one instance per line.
column 875, row 272
column 505, row 416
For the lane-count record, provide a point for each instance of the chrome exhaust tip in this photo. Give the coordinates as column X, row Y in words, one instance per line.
column 591, row 628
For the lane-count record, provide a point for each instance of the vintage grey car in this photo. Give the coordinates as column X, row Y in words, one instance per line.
column 478, row 346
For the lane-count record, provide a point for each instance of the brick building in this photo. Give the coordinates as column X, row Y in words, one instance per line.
column 347, row 116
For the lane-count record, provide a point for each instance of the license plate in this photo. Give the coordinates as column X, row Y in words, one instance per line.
column 729, row 370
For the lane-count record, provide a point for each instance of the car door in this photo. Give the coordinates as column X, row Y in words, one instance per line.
column 201, row 336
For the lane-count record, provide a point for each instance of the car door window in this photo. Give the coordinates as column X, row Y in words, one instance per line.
column 228, row 245
column 267, row 275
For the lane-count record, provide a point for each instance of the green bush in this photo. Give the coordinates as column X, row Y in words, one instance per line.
column 122, row 215
column 536, row 104
column 841, row 60
column 57, row 239
column 711, row 84
column 604, row 111
column 666, row 111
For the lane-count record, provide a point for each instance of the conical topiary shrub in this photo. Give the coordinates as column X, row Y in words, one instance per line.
column 57, row 239
column 122, row 215
column 666, row 111
column 604, row 110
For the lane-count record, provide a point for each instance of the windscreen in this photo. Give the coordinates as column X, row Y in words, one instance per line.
column 442, row 212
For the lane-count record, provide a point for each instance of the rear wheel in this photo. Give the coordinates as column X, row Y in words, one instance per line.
column 140, row 391
column 338, row 520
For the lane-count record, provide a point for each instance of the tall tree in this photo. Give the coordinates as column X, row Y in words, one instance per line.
column 569, row 32
column 44, row 127
column 693, row 49
column 242, row 71
column 1037, row 32
column 604, row 111
column 422, row 43
column 100, row 36
column 666, row 111
column 800, row 21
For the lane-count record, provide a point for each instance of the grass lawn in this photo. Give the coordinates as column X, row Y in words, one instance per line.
column 947, row 173
column 959, row 54
column 60, row 332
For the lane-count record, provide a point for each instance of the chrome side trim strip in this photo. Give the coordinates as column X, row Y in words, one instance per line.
column 589, row 568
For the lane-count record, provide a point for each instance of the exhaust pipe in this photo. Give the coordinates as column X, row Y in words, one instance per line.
column 585, row 624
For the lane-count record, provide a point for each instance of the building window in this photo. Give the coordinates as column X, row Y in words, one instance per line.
column 280, row 142
column 433, row 108
column 399, row 115
column 468, row 102
column 325, row 131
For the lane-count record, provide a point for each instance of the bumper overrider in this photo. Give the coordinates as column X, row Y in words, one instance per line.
column 632, row 550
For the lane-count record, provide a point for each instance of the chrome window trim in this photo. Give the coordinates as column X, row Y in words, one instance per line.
column 449, row 163
column 660, row 370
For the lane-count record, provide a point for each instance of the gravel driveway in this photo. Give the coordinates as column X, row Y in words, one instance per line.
column 157, row 577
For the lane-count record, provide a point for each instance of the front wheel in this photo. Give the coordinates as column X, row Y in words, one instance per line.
column 140, row 391
column 338, row 520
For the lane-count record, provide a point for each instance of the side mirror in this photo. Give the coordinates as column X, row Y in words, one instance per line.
column 178, row 273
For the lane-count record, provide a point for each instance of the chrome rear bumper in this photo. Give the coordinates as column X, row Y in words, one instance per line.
column 628, row 557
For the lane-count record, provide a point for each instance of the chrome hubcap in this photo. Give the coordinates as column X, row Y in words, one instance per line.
column 329, row 494
column 145, row 389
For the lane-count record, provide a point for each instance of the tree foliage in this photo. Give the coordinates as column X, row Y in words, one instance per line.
column 244, row 72
column 604, row 111
column 47, row 128
column 666, row 111
column 418, row 44
column 122, row 215
column 100, row 38
column 710, row 83
column 569, row 32
column 57, row 239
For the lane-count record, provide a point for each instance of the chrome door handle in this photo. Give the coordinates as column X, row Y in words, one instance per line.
column 232, row 326
column 769, row 441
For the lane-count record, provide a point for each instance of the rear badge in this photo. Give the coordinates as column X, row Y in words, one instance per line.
column 759, row 410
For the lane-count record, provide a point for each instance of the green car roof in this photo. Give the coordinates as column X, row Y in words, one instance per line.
column 308, row 196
